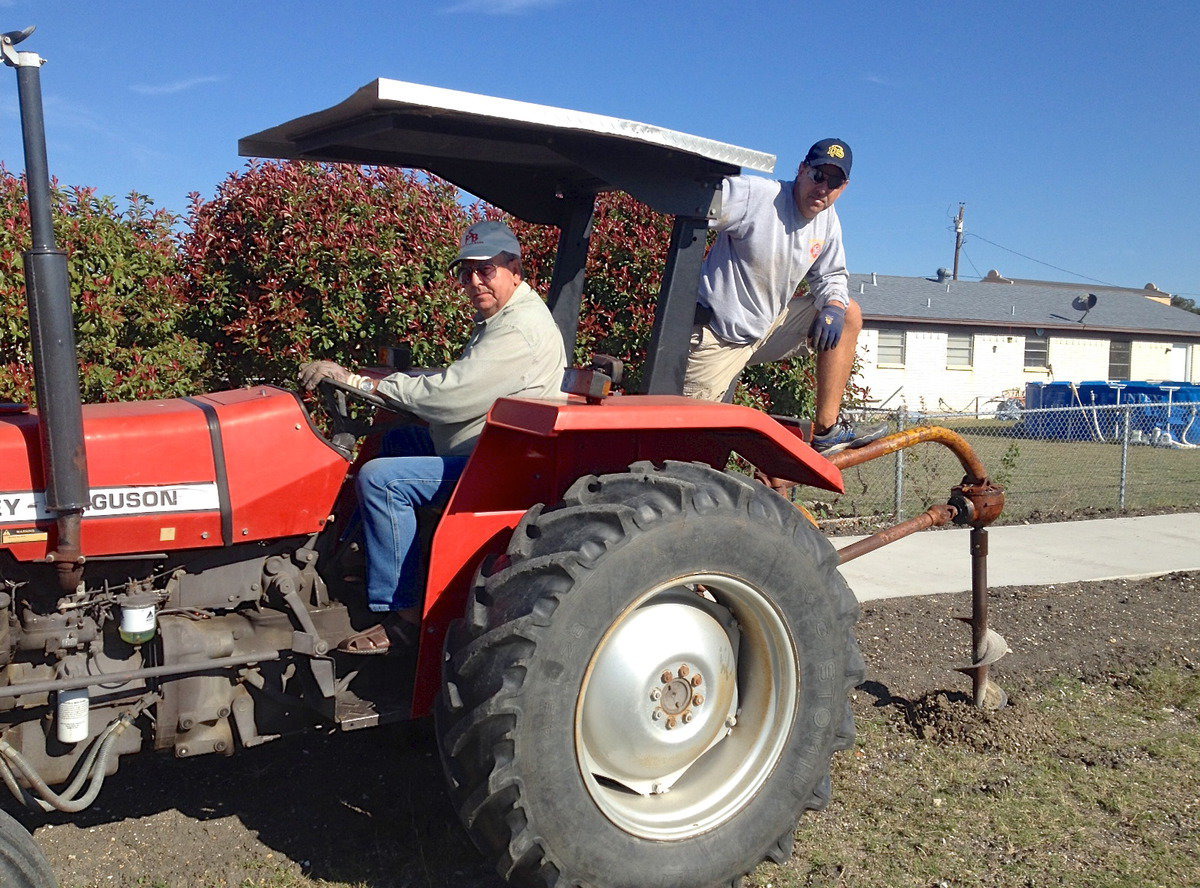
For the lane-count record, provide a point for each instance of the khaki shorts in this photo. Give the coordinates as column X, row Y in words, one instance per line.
column 714, row 365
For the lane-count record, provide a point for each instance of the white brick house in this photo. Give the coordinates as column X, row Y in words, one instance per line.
column 939, row 345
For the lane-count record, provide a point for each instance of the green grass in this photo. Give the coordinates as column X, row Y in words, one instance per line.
column 1098, row 785
column 1042, row 478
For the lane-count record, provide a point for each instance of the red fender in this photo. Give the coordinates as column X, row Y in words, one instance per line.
column 531, row 451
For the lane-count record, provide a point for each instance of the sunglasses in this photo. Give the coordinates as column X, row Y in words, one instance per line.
column 821, row 177
column 486, row 272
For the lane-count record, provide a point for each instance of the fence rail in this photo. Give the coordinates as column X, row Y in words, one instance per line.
column 1058, row 462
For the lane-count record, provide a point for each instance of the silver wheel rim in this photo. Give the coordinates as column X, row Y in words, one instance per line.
column 658, row 764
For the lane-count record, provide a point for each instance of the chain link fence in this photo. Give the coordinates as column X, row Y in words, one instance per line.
column 1055, row 463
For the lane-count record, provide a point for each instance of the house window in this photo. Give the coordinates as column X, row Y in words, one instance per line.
column 1118, row 358
column 958, row 349
column 1036, row 352
column 891, row 347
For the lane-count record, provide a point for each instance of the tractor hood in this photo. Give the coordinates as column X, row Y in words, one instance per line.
column 530, row 160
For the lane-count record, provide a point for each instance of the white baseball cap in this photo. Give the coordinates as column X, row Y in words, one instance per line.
column 483, row 240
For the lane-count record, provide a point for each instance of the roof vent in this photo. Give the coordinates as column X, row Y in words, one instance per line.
column 874, row 280
column 862, row 287
column 943, row 275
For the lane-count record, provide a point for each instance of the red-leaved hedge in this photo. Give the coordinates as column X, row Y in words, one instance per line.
column 295, row 261
column 125, row 288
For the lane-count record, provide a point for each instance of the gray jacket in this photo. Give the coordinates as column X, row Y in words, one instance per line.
column 517, row 352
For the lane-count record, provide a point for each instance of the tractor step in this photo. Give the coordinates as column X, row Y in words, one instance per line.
column 353, row 713
column 379, row 692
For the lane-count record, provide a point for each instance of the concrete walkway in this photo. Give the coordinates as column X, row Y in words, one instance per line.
column 1028, row 554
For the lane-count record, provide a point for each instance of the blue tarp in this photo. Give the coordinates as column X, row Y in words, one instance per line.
column 1172, row 407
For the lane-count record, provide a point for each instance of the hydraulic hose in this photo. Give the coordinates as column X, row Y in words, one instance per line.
column 50, row 800
column 93, row 767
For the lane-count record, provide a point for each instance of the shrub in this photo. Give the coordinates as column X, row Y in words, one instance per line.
column 123, row 268
column 295, row 261
column 625, row 262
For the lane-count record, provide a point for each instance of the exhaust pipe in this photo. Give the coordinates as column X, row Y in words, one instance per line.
column 55, row 363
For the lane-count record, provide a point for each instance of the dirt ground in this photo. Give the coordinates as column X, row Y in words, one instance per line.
column 368, row 809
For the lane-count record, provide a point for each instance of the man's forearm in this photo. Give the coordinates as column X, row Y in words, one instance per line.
column 831, row 288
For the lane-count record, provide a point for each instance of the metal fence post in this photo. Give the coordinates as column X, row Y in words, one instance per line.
column 1124, row 460
column 901, row 424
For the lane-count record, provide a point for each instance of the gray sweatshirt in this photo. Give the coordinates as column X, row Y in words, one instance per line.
column 517, row 352
column 764, row 250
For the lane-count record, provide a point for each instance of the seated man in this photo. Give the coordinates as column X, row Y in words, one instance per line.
column 771, row 237
column 515, row 350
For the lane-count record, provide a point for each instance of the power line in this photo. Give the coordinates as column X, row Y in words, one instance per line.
column 1040, row 262
column 972, row 261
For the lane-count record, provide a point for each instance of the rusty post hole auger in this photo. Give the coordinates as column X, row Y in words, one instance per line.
column 976, row 502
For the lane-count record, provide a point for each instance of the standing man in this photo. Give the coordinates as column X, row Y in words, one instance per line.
column 773, row 235
column 515, row 350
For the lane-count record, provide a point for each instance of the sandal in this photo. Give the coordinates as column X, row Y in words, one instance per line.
column 380, row 638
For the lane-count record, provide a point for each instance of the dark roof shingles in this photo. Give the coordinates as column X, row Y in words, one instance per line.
column 1014, row 305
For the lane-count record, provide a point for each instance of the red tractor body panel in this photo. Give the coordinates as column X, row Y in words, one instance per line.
column 183, row 473
column 532, row 451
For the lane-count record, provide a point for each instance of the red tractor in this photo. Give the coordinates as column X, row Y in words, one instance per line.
column 638, row 662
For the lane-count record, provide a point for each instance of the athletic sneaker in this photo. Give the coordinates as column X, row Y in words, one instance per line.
column 846, row 434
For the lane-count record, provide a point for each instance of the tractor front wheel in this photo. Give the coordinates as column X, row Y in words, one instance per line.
column 22, row 864
column 648, row 687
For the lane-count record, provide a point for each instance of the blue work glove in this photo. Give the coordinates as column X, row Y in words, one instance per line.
column 827, row 328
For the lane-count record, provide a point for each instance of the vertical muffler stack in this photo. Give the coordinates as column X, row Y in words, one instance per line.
column 55, row 364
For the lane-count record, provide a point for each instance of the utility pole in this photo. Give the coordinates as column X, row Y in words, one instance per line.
column 958, row 236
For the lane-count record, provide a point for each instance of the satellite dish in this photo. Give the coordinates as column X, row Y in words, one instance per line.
column 1084, row 304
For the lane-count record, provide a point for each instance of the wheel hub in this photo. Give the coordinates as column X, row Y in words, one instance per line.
column 645, row 722
column 675, row 698
column 685, row 706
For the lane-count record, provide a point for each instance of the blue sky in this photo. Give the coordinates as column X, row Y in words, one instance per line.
column 1070, row 130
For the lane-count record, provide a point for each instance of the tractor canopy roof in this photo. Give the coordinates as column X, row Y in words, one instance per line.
column 533, row 161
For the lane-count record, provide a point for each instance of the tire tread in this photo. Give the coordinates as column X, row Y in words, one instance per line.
column 552, row 549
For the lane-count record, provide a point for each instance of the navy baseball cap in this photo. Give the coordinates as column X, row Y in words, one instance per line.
column 830, row 151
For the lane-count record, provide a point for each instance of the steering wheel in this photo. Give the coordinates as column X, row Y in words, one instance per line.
column 333, row 396
column 347, row 429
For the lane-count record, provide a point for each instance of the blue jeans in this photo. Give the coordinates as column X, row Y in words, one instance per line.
column 405, row 475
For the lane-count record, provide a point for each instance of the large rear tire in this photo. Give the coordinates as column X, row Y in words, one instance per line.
column 648, row 688
column 22, row 863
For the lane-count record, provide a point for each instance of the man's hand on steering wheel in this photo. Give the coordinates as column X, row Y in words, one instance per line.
column 315, row 371
column 335, row 383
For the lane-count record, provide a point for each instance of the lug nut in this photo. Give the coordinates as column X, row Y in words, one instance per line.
column 687, row 718
column 671, row 722
column 683, row 671
column 656, row 714
column 697, row 700
column 667, row 677
column 655, row 694
column 697, row 680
